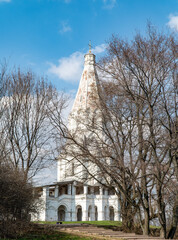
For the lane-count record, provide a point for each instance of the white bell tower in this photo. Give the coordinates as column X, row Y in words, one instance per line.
column 85, row 103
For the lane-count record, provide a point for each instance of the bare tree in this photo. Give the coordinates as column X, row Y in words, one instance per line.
column 130, row 135
column 28, row 134
column 27, row 144
column 3, row 77
column 146, row 71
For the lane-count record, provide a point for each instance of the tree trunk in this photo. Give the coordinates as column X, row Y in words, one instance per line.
column 163, row 232
column 175, row 220
column 146, row 229
column 127, row 217
column 127, row 224
column 161, row 211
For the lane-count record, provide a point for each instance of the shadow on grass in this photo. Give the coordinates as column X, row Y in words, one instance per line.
column 53, row 236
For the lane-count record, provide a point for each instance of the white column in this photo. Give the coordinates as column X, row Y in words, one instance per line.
column 56, row 193
column 100, row 207
column 101, row 190
column 46, row 191
column 73, row 206
column 43, row 210
column 100, row 212
column 92, row 212
column 84, row 213
column 73, row 190
column 85, row 189
column 116, row 216
column 106, row 192
column 69, row 189
column 107, row 213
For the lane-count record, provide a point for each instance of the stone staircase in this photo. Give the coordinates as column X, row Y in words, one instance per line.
column 102, row 233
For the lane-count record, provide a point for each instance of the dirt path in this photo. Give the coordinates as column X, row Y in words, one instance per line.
column 101, row 233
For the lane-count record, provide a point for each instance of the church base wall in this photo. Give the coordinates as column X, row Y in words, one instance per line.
column 80, row 208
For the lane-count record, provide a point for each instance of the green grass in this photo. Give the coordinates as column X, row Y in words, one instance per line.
column 155, row 227
column 55, row 236
column 37, row 235
column 100, row 223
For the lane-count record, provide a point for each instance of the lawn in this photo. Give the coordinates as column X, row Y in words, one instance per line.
column 98, row 223
column 55, row 236
column 40, row 234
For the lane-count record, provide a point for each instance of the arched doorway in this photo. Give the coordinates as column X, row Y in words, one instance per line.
column 89, row 213
column 61, row 213
column 79, row 213
column 111, row 213
column 96, row 213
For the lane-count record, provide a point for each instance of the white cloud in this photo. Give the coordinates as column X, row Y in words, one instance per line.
column 109, row 4
column 70, row 68
column 99, row 49
column 173, row 22
column 5, row 1
column 65, row 27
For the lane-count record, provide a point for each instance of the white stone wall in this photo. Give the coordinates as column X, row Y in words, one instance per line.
column 73, row 202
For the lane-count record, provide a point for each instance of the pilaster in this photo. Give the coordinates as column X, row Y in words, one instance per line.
column 56, row 193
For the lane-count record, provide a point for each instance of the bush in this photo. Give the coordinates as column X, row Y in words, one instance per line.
column 17, row 201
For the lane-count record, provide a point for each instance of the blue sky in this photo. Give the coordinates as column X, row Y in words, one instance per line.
column 51, row 36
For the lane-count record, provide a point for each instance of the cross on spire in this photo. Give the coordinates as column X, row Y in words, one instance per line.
column 90, row 46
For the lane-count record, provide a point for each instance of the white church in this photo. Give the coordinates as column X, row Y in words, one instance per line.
column 70, row 199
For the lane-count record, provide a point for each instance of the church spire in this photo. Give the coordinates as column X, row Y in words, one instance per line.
column 88, row 89
column 90, row 46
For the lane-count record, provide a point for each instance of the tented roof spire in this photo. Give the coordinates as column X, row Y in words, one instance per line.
column 88, row 87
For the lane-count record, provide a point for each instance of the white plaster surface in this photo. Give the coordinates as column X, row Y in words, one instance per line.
column 70, row 203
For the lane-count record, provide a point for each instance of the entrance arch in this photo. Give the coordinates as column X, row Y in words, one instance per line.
column 61, row 213
column 105, row 213
column 96, row 213
column 89, row 213
column 111, row 213
column 79, row 213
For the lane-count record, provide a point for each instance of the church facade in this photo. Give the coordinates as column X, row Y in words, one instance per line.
column 70, row 198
